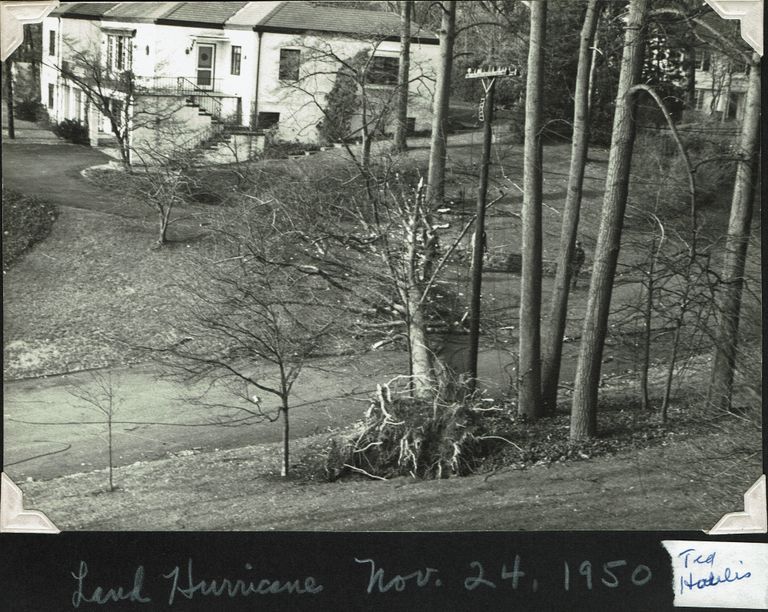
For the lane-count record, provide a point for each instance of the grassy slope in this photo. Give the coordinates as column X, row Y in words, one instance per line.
column 655, row 488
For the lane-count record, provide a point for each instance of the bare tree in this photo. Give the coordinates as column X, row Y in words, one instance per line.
column 571, row 210
column 584, row 407
column 529, row 370
column 401, row 126
column 101, row 396
column 248, row 328
column 167, row 180
column 438, row 147
column 732, row 276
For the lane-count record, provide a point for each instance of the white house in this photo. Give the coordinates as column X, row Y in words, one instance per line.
column 721, row 85
column 234, row 66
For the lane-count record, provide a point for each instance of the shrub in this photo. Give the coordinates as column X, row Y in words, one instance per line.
column 278, row 149
column 26, row 221
column 73, row 131
column 30, row 110
column 343, row 101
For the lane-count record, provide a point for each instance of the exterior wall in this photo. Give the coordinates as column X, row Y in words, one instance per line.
column 720, row 88
column 239, row 148
column 176, row 56
column 71, row 34
column 301, row 111
column 163, row 53
column 165, row 124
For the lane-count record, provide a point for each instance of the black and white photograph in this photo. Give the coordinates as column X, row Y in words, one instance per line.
column 399, row 266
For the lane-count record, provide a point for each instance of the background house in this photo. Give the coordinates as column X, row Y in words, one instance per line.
column 721, row 85
column 224, row 67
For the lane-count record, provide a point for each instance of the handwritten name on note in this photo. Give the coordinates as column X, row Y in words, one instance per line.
column 719, row 574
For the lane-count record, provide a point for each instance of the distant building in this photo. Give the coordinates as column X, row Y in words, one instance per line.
column 232, row 67
column 721, row 85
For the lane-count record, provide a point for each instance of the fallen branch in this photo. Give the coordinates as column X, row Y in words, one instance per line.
column 354, row 469
column 500, row 438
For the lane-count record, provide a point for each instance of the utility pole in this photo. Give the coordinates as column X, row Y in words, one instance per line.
column 488, row 77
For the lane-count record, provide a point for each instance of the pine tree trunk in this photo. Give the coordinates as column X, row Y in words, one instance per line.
column 529, row 370
column 579, row 145
column 729, row 304
column 584, row 407
column 437, row 151
column 401, row 127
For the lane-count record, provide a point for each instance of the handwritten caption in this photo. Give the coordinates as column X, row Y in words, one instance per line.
column 719, row 574
column 184, row 583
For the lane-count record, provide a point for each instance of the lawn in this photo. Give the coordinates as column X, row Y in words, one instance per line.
column 96, row 277
column 652, row 488
column 26, row 221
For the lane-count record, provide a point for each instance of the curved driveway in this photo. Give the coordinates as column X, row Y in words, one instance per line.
column 52, row 171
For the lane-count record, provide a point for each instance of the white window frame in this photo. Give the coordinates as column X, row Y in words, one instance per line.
column 119, row 52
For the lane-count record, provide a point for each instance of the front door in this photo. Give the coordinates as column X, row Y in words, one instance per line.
column 205, row 62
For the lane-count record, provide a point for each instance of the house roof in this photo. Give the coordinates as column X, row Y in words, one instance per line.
column 303, row 16
column 291, row 16
column 82, row 9
column 209, row 13
column 130, row 11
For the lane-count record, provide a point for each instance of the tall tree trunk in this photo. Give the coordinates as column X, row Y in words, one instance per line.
column 529, row 370
column 593, row 66
column 401, row 127
column 437, row 151
column 584, row 408
column 579, row 145
column 8, row 65
column 729, row 304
